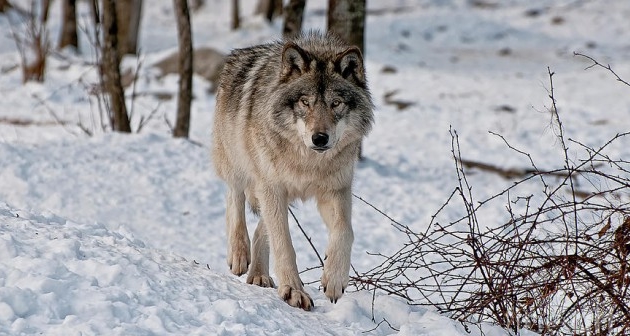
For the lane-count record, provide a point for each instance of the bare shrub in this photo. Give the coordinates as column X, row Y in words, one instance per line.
column 558, row 265
column 31, row 39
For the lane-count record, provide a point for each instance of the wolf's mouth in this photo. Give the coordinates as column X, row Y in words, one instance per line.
column 320, row 149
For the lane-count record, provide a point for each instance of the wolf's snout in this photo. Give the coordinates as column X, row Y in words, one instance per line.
column 320, row 139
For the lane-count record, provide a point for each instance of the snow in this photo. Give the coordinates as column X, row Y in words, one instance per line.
column 124, row 234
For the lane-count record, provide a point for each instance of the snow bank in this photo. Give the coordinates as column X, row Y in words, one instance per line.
column 59, row 277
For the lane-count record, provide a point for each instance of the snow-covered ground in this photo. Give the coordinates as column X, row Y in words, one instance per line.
column 124, row 234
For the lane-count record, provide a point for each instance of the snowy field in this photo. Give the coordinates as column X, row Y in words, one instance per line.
column 124, row 234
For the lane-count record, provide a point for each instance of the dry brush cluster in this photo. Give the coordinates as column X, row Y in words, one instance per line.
column 557, row 263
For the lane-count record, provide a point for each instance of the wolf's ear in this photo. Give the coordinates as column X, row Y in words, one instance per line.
column 349, row 64
column 295, row 61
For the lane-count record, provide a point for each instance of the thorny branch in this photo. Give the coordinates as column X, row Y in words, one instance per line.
column 596, row 63
column 558, row 264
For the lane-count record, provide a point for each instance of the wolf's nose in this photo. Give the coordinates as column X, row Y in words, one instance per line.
column 320, row 139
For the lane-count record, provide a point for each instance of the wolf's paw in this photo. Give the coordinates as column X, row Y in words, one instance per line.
column 238, row 256
column 260, row 280
column 334, row 283
column 296, row 297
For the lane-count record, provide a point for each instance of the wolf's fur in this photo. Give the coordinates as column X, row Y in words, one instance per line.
column 289, row 120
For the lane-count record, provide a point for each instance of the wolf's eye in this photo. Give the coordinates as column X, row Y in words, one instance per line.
column 304, row 101
column 336, row 103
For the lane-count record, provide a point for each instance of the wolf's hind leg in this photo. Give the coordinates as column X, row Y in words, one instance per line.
column 335, row 209
column 238, row 257
column 259, row 270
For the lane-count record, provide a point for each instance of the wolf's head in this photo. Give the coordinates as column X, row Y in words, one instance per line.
column 324, row 92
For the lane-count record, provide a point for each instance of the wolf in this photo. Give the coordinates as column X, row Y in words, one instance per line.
column 290, row 117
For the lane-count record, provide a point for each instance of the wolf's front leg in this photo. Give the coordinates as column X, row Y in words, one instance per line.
column 274, row 211
column 335, row 208
column 238, row 257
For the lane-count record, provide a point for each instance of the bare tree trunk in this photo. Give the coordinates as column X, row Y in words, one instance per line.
column 128, row 13
column 69, row 25
column 182, row 124
column 278, row 7
column 195, row 5
column 96, row 15
column 269, row 8
column 4, row 5
column 236, row 16
column 293, row 14
column 346, row 19
column 110, row 69
column 134, row 31
column 45, row 11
